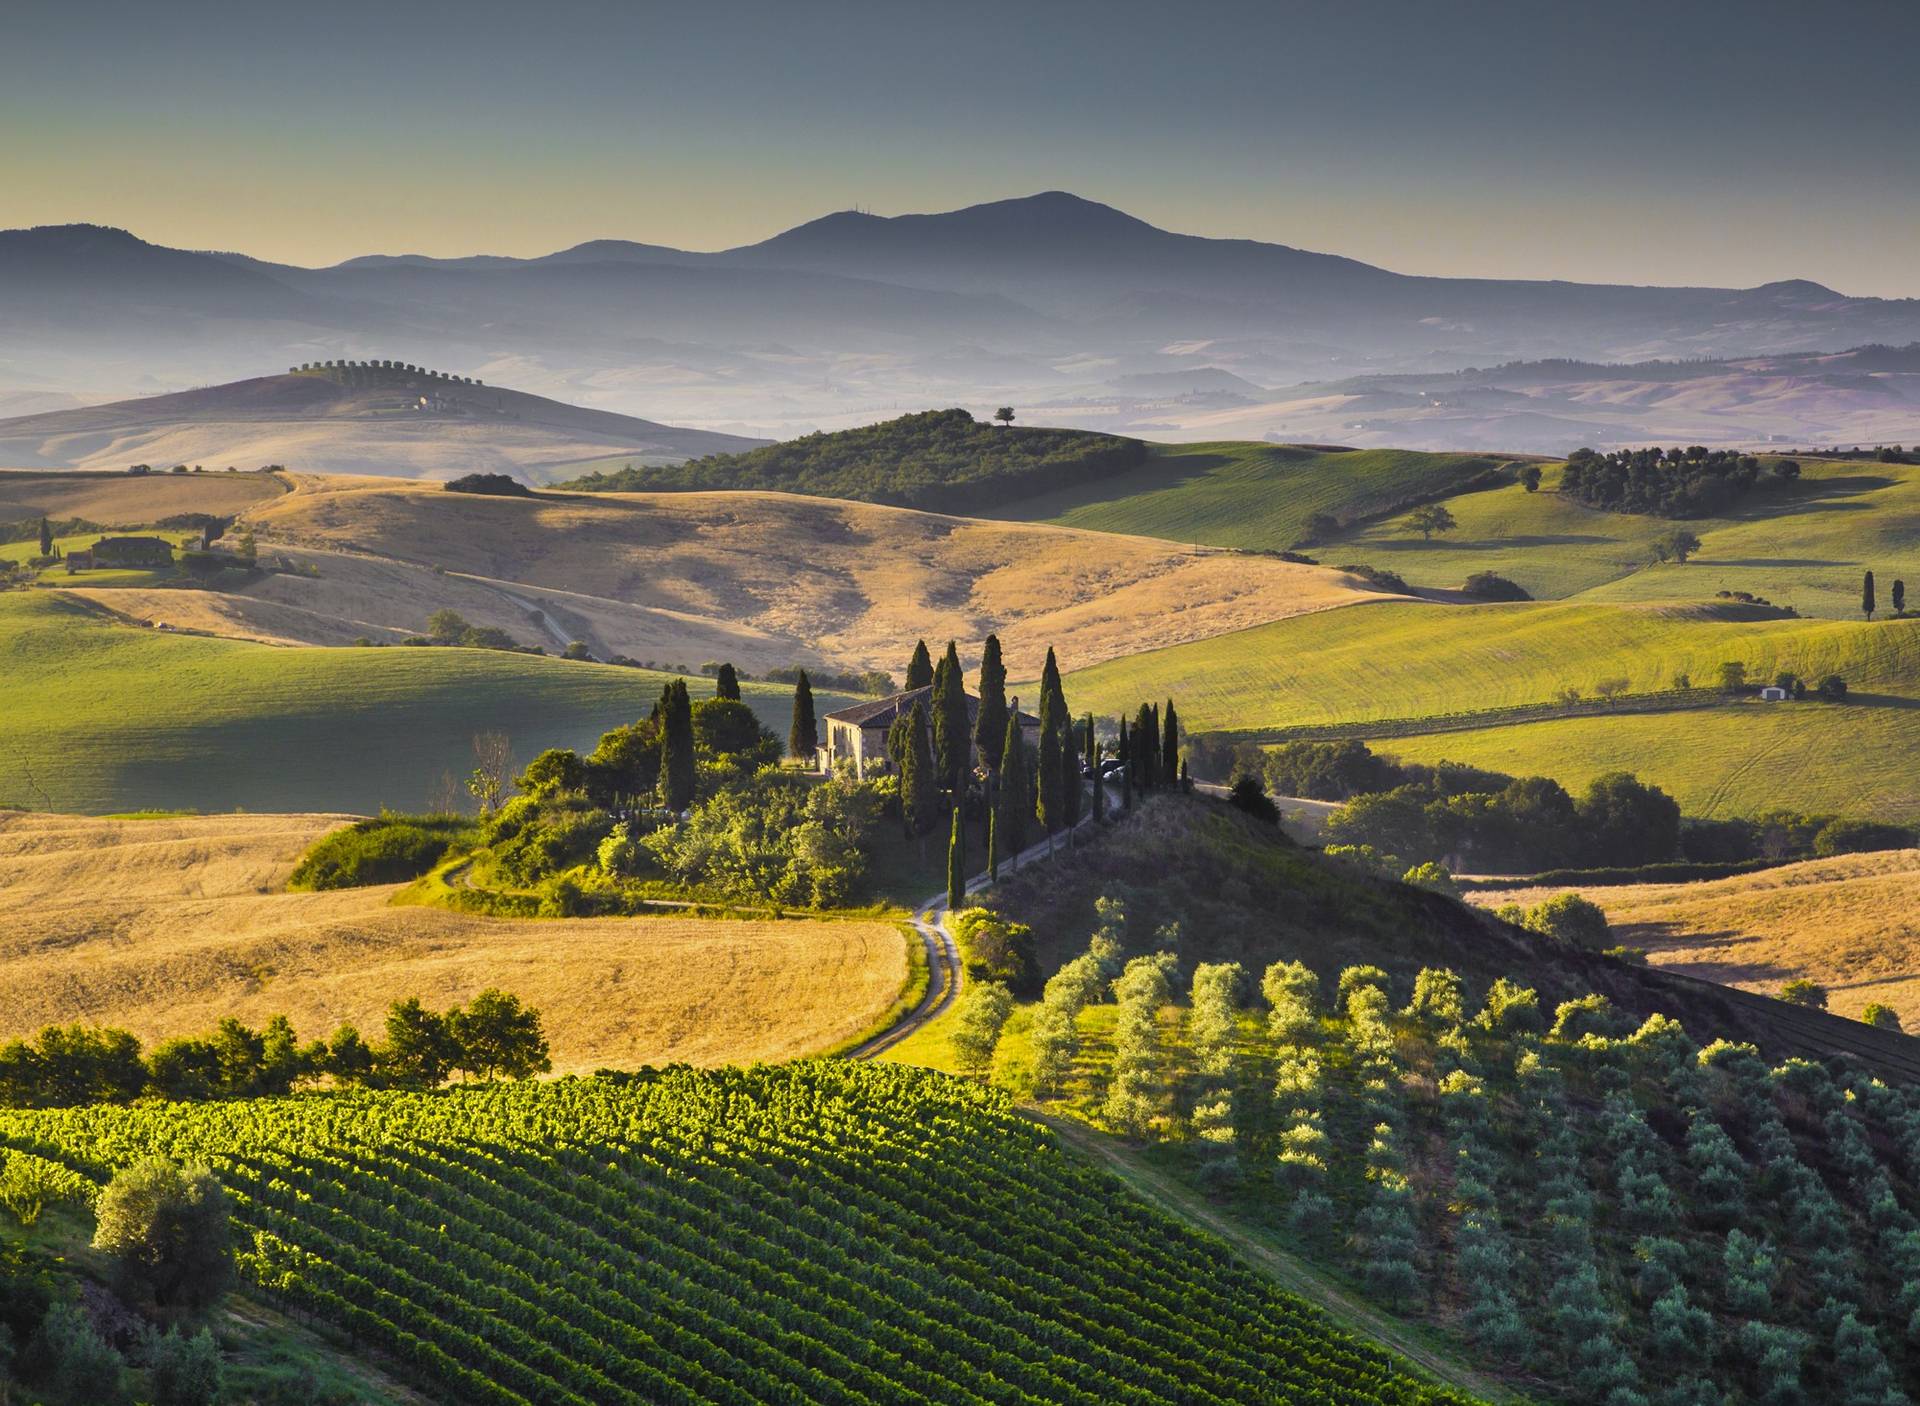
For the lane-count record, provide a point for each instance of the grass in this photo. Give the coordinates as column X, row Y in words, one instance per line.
column 1413, row 660
column 1240, row 494
column 1851, row 923
column 1849, row 759
column 104, row 717
column 163, row 927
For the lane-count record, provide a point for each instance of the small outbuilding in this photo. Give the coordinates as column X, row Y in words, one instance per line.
column 1773, row 694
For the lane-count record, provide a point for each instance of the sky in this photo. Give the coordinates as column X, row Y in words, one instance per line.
column 1727, row 142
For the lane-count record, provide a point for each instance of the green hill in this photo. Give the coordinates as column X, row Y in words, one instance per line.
column 1256, row 496
column 806, row 1233
column 939, row 460
column 105, row 717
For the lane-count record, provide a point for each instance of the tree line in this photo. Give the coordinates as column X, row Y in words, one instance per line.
column 493, row 1036
column 1675, row 483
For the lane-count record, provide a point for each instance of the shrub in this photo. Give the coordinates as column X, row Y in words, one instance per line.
column 1379, row 579
column 167, row 1231
column 185, row 1371
column 1486, row 585
column 1802, row 992
column 492, row 485
column 1249, row 794
column 995, row 949
column 1859, row 837
column 1833, row 688
column 74, row 1360
column 1572, row 919
column 388, row 849
column 1881, row 1017
column 1431, row 876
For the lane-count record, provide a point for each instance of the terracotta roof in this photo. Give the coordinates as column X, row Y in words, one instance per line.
column 881, row 712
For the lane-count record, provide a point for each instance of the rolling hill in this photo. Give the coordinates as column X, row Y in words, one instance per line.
column 406, row 422
column 164, row 926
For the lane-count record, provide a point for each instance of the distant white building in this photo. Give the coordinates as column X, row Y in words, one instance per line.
column 1773, row 694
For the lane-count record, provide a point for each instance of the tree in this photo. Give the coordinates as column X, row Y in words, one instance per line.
column 1676, row 546
column 1430, row 518
column 1249, row 794
column 917, row 780
column 1866, row 596
column 1126, row 767
column 168, row 1231
column 726, row 683
column 990, row 731
column 46, row 538
column 1733, row 676
column 982, row 1014
column 496, row 1036
column 1146, row 750
column 349, row 1059
column 419, row 1050
column 1802, row 992
column 1833, row 688
column 993, row 845
column 554, row 772
column 1622, row 820
column 803, row 738
column 919, row 668
column 676, row 746
column 1882, row 1017
column 185, row 1371
column 1530, row 478
column 1013, row 802
column 1572, row 919
column 957, row 864
column 1004, row 415
column 952, row 743
column 726, row 727
column 492, row 771
column 1093, row 772
column 1170, row 745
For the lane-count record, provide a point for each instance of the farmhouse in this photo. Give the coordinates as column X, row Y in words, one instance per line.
column 859, row 734
column 132, row 551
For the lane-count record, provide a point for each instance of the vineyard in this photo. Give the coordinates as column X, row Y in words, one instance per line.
column 812, row 1232
column 1603, row 1207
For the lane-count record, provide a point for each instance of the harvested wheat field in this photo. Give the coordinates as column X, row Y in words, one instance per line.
column 162, row 926
column 761, row 578
column 120, row 500
column 1851, row 923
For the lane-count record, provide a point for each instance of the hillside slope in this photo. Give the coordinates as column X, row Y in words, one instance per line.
column 406, row 422
column 165, row 926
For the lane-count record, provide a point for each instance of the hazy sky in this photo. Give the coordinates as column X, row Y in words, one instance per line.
column 1680, row 142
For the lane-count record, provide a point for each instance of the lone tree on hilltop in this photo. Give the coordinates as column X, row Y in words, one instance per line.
column 726, row 683
column 1866, row 596
column 1675, row 546
column 1430, row 518
column 919, row 668
column 1004, row 415
column 803, row 738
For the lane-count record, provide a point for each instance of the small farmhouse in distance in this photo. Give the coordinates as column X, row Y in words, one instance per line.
column 858, row 735
column 123, row 551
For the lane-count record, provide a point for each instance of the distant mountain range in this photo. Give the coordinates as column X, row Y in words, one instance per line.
column 1048, row 299
column 402, row 421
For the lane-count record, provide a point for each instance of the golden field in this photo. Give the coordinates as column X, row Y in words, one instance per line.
column 1851, row 923
column 162, row 926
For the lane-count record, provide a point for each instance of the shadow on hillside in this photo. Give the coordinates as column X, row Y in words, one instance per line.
column 1808, row 496
column 1768, row 561
column 1483, row 544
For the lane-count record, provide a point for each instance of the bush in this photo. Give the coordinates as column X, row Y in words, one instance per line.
column 1379, row 579
column 185, row 1371
column 1485, row 585
column 1882, row 1017
column 994, row 949
column 1571, row 919
column 1859, row 837
column 74, row 1360
column 1833, row 688
column 388, row 849
column 168, row 1232
column 1802, row 992
column 492, row 485
column 1249, row 794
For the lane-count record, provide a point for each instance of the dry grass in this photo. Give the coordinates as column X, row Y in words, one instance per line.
column 114, row 500
column 762, row 579
column 163, row 926
column 1852, row 924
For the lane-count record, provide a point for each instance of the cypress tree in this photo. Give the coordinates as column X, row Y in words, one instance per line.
column 916, row 774
column 46, row 538
column 1170, row 744
column 991, row 729
column 676, row 746
column 1126, row 769
column 726, row 683
column 1052, row 695
column 1093, row 771
column 1014, row 804
column 1153, row 745
column 957, row 865
column 1049, row 803
column 1899, row 597
column 993, row 845
column 1866, row 596
column 1071, row 793
column 952, row 740
column 803, row 738
column 920, row 669
column 1146, row 748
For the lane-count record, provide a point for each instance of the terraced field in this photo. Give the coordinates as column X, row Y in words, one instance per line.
column 815, row 1232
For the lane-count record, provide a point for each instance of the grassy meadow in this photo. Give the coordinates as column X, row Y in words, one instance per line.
column 1241, row 494
column 105, row 717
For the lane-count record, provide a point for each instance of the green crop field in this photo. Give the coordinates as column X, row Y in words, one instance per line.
column 805, row 1233
column 1805, row 545
column 1740, row 761
column 1240, row 494
column 1413, row 660
column 107, row 717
